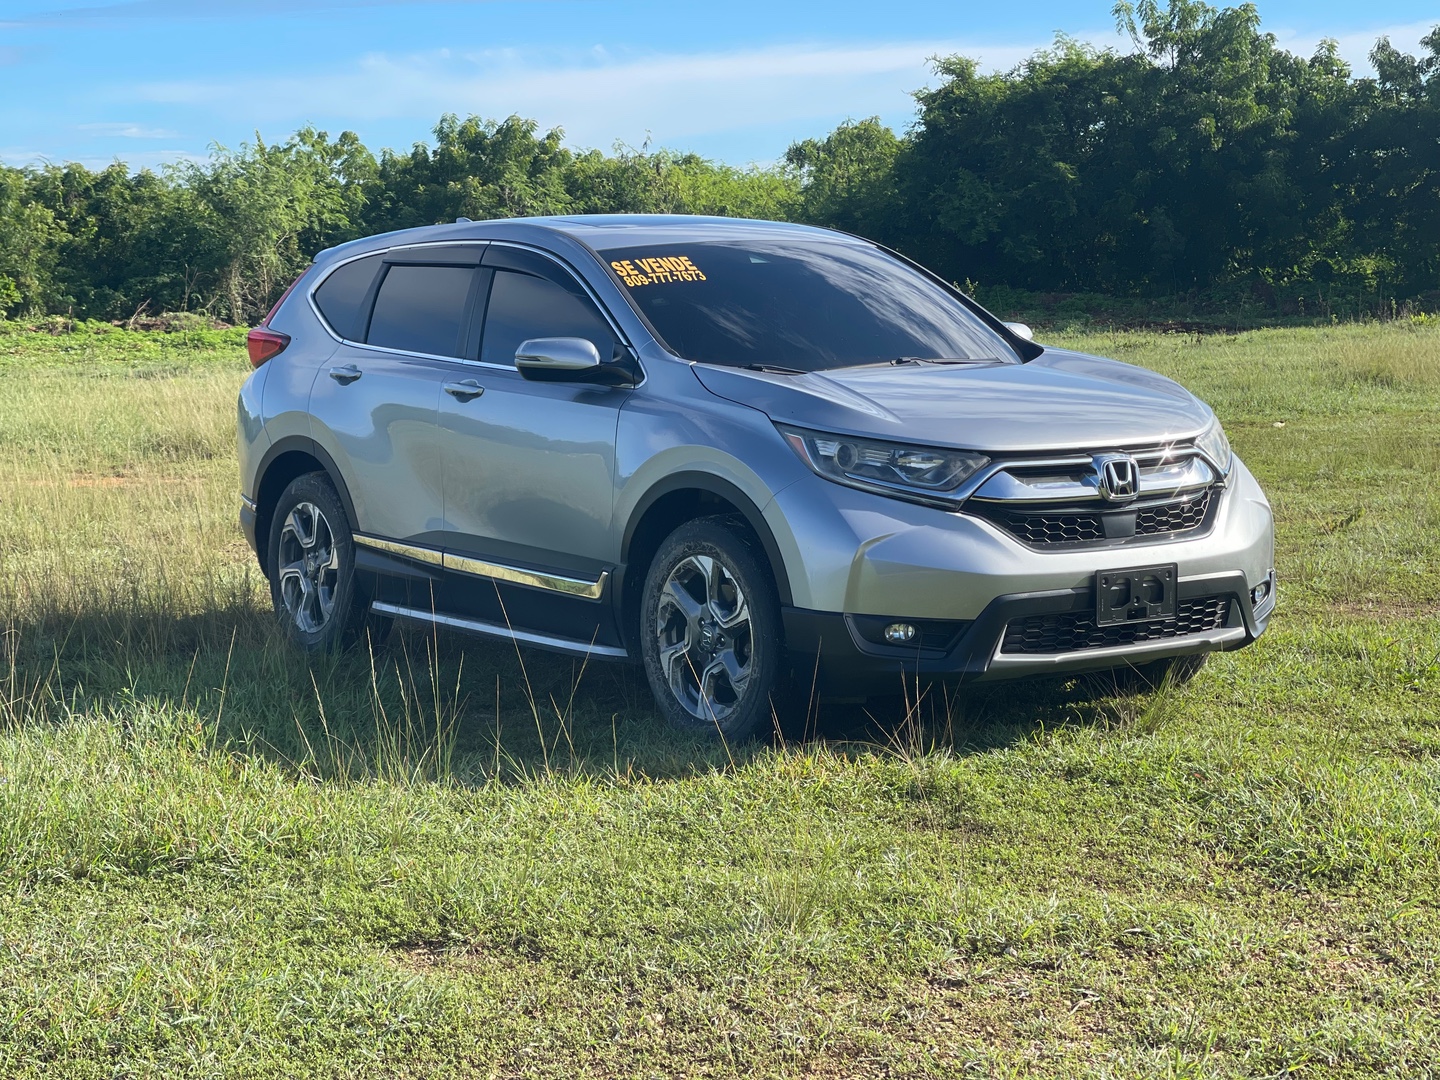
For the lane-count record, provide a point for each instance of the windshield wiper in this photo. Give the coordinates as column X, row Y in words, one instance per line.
column 942, row 360
column 775, row 369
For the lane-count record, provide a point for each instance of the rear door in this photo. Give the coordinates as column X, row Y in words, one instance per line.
column 374, row 406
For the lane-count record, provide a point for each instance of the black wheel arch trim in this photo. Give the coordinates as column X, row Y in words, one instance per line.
column 303, row 444
column 724, row 489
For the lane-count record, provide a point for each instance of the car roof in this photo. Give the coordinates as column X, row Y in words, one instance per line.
column 600, row 232
column 605, row 231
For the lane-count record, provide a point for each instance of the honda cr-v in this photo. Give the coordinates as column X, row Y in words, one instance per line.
column 747, row 455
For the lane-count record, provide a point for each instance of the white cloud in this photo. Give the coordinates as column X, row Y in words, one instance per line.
column 189, row 9
column 600, row 94
column 17, row 157
column 23, row 157
column 596, row 97
column 1355, row 45
column 121, row 129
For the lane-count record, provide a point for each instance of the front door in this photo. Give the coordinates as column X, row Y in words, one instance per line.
column 529, row 467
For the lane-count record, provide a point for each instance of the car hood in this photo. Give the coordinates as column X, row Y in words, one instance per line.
column 1059, row 401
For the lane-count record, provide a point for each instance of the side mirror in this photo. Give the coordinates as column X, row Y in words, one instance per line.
column 557, row 357
column 1020, row 330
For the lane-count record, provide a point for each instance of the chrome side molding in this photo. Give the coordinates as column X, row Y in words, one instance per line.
column 590, row 590
column 429, row 556
column 464, row 564
column 495, row 630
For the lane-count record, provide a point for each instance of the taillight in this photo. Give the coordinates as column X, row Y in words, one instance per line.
column 263, row 343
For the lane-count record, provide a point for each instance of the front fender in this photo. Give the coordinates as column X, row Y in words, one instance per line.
column 706, row 444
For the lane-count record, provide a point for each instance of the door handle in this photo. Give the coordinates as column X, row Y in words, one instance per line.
column 465, row 390
column 345, row 374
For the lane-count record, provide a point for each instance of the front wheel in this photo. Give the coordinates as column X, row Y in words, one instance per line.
column 312, row 570
column 710, row 631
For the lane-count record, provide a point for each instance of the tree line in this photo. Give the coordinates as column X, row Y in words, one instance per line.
column 1204, row 159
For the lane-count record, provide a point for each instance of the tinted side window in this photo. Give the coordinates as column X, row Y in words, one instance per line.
column 341, row 297
column 523, row 306
column 422, row 309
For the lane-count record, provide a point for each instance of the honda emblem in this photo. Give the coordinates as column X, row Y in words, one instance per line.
column 1119, row 477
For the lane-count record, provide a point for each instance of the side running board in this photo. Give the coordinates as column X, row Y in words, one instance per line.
column 495, row 630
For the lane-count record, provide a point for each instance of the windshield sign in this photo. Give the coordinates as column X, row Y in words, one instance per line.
column 802, row 305
column 657, row 270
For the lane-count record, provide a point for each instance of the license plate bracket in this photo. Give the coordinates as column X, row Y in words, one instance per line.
column 1143, row 594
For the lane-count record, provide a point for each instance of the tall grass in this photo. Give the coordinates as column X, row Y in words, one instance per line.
column 450, row 857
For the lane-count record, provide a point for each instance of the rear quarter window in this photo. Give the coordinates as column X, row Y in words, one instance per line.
column 341, row 296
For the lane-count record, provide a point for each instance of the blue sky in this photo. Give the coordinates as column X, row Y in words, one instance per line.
column 151, row 81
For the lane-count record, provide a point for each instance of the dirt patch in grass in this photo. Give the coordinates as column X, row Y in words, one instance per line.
column 114, row 481
column 110, row 481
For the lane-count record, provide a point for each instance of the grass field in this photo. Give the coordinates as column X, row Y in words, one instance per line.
column 452, row 860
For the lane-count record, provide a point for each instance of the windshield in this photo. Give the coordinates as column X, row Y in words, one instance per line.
column 801, row 304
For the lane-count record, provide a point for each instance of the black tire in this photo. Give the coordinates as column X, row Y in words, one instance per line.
column 703, row 639
column 317, row 600
column 1147, row 678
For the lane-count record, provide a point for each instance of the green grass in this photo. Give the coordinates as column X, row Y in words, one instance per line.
column 452, row 860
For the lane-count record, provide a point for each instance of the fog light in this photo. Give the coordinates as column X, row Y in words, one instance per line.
column 1258, row 594
column 899, row 633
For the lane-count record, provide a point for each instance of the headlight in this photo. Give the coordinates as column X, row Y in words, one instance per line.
column 921, row 473
column 1214, row 445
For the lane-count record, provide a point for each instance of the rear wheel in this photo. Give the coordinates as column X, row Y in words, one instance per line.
column 710, row 631
column 312, row 570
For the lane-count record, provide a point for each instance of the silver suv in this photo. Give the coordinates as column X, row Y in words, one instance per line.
column 749, row 455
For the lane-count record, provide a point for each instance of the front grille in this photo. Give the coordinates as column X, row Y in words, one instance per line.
column 1042, row 529
column 1072, row 631
column 1173, row 517
column 1045, row 528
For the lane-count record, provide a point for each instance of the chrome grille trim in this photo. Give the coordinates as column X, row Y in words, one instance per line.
column 1162, row 473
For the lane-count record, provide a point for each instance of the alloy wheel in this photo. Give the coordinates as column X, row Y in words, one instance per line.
column 703, row 624
column 309, row 567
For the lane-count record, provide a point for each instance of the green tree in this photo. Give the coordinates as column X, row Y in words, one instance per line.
column 1395, row 165
column 847, row 180
column 662, row 182
column 28, row 247
column 259, row 214
column 1205, row 158
column 478, row 169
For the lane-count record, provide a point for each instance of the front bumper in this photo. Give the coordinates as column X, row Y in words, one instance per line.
column 835, row 650
column 855, row 560
column 851, row 551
